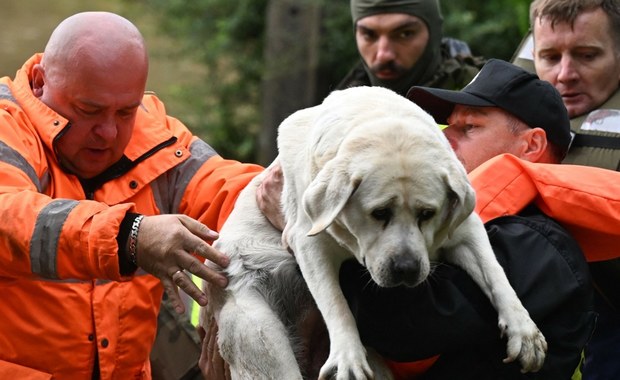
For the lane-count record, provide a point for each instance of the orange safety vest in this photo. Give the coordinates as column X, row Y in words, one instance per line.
column 63, row 298
column 583, row 199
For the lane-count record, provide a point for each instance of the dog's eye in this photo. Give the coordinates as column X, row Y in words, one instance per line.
column 426, row 214
column 382, row 214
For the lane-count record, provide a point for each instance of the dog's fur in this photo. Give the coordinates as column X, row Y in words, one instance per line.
column 367, row 174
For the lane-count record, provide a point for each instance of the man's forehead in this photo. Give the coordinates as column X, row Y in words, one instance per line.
column 471, row 110
column 595, row 16
column 389, row 21
column 562, row 36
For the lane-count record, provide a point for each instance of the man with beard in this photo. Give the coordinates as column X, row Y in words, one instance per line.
column 401, row 45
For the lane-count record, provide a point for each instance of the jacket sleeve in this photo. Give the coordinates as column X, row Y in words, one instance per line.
column 216, row 187
column 43, row 237
column 449, row 313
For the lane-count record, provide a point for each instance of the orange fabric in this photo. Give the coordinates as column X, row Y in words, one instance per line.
column 411, row 370
column 55, row 325
column 12, row 371
column 584, row 199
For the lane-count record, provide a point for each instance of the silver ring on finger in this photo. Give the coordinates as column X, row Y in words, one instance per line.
column 176, row 278
column 177, row 272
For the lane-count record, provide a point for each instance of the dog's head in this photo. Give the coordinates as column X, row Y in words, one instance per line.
column 393, row 194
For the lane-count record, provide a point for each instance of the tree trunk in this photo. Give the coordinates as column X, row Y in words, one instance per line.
column 291, row 64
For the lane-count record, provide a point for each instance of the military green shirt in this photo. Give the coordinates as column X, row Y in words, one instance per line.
column 596, row 139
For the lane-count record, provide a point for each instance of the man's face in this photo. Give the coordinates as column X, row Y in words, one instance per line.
column 478, row 134
column 391, row 43
column 101, row 109
column 582, row 62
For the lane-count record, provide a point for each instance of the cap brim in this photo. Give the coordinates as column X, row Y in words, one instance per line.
column 439, row 103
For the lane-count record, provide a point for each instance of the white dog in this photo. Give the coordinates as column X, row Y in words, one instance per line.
column 366, row 174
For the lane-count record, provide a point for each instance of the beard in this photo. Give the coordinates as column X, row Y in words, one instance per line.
column 391, row 66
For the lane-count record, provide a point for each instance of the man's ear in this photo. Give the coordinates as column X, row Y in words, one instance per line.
column 38, row 80
column 535, row 140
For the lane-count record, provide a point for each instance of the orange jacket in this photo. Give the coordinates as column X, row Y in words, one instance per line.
column 584, row 199
column 63, row 298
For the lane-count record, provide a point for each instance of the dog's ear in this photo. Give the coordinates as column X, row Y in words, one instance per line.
column 328, row 193
column 460, row 201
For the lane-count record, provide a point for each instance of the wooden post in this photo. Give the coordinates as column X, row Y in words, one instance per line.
column 291, row 65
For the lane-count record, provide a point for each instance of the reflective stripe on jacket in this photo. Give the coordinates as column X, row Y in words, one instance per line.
column 54, row 243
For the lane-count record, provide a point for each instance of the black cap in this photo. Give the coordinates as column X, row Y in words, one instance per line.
column 501, row 84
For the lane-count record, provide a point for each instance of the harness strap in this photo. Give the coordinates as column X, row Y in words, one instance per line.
column 594, row 141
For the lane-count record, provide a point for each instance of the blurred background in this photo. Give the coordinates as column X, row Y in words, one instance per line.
column 232, row 70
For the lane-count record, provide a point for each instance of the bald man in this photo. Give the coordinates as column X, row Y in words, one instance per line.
column 106, row 202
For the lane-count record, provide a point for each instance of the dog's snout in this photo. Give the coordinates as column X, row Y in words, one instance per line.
column 405, row 268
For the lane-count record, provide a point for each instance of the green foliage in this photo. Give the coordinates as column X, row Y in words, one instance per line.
column 227, row 36
column 493, row 29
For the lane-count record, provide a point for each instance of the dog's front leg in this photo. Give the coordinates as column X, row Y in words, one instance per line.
column 473, row 252
column 319, row 261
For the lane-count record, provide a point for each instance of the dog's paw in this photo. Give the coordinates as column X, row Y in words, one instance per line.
column 525, row 343
column 346, row 365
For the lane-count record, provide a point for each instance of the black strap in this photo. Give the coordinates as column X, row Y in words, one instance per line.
column 593, row 141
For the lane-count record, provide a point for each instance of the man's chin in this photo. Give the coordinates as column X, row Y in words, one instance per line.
column 577, row 109
column 89, row 169
column 577, row 105
column 389, row 77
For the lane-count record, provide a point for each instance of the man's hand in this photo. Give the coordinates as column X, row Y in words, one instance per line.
column 166, row 248
column 211, row 363
column 268, row 195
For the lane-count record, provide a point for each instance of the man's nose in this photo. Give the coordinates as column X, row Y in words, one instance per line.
column 450, row 135
column 106, row 129
column 567, row 69
column 385, row 50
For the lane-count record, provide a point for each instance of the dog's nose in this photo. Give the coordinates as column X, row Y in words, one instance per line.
column 405, row 268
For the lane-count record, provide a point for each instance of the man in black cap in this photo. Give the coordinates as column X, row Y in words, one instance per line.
column 505, row 109
column 447, row 320
column 400, row 43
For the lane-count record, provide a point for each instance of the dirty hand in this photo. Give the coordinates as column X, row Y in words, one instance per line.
column 268, row 195
column 211, row 363
column 167, row 245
